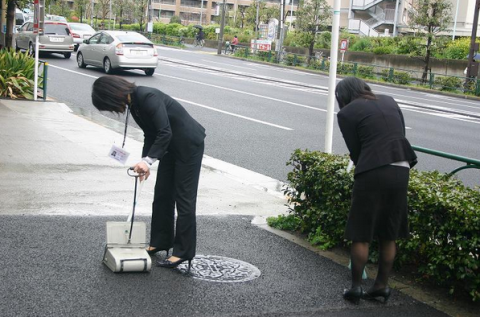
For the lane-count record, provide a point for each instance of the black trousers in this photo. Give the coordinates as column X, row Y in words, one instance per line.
column 176, row 186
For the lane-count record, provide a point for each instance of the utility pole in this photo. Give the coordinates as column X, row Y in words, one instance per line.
column 91, row 13
column 222, row 26
column 110, row 14
column 332, row 77
column 201, row 12
column 472, row 68
column 455, row 23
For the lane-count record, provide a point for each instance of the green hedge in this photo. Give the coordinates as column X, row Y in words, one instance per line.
column 444, row 218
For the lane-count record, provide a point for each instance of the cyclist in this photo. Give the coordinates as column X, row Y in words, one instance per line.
column 200, row 36
column 234, row 43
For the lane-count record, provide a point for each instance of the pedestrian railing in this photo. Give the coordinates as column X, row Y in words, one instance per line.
column 43, row 78
column 470, row 163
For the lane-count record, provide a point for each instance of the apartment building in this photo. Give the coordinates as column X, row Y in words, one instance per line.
column 387, row 17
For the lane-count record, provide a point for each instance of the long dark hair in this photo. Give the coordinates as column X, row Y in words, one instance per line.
column 110, row 93
column 351, row 88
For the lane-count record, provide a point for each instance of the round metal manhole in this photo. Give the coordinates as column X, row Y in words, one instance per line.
column 221, row 269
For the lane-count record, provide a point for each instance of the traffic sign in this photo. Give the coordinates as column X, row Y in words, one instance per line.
column 343, row 45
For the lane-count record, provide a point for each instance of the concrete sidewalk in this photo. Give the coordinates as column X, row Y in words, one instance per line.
column 58, row 188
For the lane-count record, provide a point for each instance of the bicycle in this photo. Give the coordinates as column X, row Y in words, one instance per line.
column 198, row 42
column 229, row 50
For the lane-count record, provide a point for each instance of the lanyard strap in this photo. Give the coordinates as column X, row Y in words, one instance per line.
column 126, row 126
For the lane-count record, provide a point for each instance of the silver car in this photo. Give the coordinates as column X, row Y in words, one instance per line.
column 56, row 38
column 118, row 50
column 80, row 32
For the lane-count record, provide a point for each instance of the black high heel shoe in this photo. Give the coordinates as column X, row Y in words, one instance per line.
column 354, row 294
column 382, row 292
column 169, row 264
column 153, row 251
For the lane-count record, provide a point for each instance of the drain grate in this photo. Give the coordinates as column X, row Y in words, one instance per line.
column 221, row 269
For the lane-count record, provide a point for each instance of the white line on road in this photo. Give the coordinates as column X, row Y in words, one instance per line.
column 193, row 103
column 234, row 114
column 232, row 66
column 242, row 92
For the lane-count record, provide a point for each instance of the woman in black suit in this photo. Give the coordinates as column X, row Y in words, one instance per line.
column 374, row 130
column 175, row 139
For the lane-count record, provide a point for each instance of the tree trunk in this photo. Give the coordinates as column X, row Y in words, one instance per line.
column 427, row 61
column 10, row 23
column 310, row 47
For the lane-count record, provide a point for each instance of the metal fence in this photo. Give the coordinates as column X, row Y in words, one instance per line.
column 408, row 77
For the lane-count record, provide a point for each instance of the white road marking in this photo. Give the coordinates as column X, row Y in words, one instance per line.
column 242, row 92
column 233, row 114
column 233, row 66
column 194, row 103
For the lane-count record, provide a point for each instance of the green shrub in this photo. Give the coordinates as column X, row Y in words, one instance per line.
column 365, row 72
column 290, row 222
column 295, row 60
column 172, row 29
column 264, row 55
column 345, row 68
column 175, row 20
column 17, row 74
column 362, row 45
column 448, row 83
column 444, row 218
column 398, row 77
column 382, row 50
column 457, row 49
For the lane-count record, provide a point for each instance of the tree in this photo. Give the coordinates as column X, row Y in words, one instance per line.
column 430, row 17
column 80, row 7
column 121, row 9
column 140, row 12
column 313, row 16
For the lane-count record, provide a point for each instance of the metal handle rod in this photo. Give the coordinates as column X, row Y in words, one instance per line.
column 133, row 210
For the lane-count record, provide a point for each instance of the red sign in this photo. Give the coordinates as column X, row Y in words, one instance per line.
column 343, row 45
column 262, row 45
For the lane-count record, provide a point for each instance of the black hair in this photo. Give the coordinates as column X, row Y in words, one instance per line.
column 110, row 93
column 351, row 88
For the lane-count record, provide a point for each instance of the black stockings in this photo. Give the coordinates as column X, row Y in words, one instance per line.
column 359, row 257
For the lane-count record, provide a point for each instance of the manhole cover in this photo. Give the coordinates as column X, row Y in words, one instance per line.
column 214, row 268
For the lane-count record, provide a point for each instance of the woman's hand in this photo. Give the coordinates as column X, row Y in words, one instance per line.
column 142, row 169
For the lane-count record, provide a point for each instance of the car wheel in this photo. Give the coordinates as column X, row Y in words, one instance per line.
column 80, row 61
column 31, row 49
column 67, row 55
column 107, row 66
column 149, row 71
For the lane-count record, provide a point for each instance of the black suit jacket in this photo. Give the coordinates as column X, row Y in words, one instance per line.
column 374, row 131
column 167, row 126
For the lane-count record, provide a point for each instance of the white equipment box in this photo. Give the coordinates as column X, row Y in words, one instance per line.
column 121, row 256
column 126, row 241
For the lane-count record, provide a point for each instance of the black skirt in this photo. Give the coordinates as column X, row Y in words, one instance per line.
column 379, row 205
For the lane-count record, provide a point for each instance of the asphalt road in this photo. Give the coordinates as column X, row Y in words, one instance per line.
column 257, row 115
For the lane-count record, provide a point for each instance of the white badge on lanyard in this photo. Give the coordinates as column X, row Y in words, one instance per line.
column 117, row 153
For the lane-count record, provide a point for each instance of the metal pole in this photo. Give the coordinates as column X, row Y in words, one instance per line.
column 110, row 15
column 256, row 28
column 222, row 26
column 201, row 12
column 291, row 14
column 332, row 79
column 471, row 54
column 91, row 13
column 395, row 31
column 35, row 83
column 455, row 23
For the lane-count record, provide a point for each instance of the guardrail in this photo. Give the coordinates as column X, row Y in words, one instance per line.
column 471, row 163
column 43, row 78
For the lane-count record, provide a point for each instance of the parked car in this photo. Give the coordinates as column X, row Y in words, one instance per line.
column 80, row 32
column 20, row 18
column 118, row 50
column 56, row 39
column 56, row 18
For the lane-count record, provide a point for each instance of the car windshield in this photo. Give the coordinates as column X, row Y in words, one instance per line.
column 81, row 27
column 132, row 38
column 58, row 29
